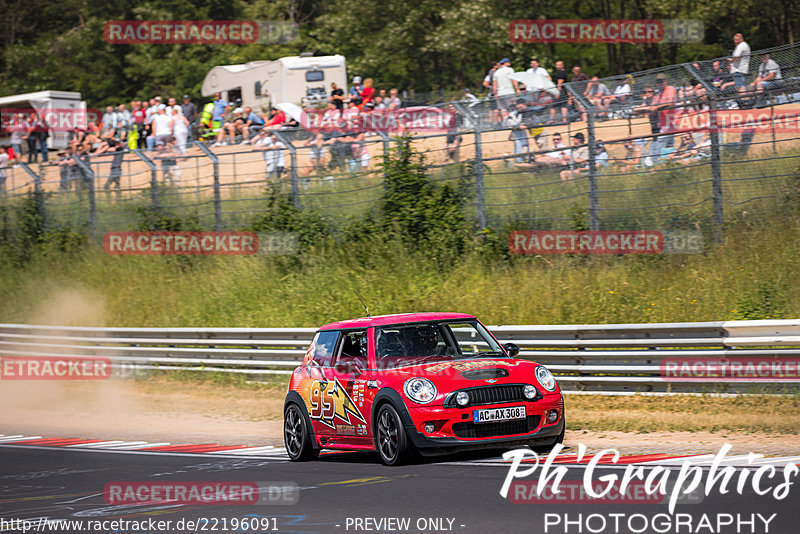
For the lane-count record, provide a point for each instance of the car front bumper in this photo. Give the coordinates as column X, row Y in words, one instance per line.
column 454, row 427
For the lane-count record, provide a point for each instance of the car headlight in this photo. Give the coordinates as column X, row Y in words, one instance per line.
column 529, row 392
column 420, row 390
column 462, row 398
column 546, row 378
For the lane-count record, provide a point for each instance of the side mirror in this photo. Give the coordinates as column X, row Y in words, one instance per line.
column 512, row 349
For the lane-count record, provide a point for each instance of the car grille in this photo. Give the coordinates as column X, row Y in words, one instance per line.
column 489, row 395
column 501, row 428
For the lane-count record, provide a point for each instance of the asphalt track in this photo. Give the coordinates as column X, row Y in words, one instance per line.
column 450, row 494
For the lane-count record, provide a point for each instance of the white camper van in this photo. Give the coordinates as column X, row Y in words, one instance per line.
column 303, row 80
column 63, row 111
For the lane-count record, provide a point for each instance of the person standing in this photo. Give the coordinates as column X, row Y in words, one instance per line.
column 518, row 134
column 122, row 121
column 37, row 140
column 561, row 101
column 117, row 148
column 3, row 165
column 337, row 96
column 137, row 117
column 504, row 87
column 274, row 155
column 180, row 130
column 189, row 111
column 19, row 132
column 539, row 71
column 162, row 126
column 739, row 61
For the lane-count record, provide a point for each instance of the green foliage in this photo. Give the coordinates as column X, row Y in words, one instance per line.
column 24, row 232
column 765, row 301
column 150, row 219
column 426, row 216
column 579, row 218
column 280, row 214
column 420, row 45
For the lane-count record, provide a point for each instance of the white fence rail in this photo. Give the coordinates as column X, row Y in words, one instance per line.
column 654, row 358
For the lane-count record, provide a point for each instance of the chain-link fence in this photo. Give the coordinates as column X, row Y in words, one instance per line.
column 685, row 147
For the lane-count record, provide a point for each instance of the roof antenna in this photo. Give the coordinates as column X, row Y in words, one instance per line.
column 362, row 303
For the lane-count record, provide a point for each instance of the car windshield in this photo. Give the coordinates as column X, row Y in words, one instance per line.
column 407, row 344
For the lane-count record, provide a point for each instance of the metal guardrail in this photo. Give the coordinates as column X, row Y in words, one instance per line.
column 603, row 359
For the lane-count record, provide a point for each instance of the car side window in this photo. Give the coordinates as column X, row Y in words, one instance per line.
column 324, row 346
column 354, row 345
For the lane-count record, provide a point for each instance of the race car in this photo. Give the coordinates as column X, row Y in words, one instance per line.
column 426, row 383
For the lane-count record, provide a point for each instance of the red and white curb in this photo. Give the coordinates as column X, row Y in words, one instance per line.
column 279, row 453
column 118, row 445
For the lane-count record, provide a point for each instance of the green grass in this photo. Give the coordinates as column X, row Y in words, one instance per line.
column 747, row 414
column 751, row 414
column 753, row 275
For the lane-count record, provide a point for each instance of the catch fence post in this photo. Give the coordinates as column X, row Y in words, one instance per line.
column 716, row 164
column 594, row 216
column 480, row 190
column 153, row 178
column 293, row 158
column 217, row 195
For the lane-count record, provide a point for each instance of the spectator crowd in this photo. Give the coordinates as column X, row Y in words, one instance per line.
column 519, row 102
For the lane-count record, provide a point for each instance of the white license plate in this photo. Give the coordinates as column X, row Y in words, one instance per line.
column 498, row 414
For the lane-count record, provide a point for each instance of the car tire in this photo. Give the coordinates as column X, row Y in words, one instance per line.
column 297, row 435
column 391, row 440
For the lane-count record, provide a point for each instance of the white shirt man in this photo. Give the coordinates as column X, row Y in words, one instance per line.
column 393, row 101
column 559, row 151
column 536, row 69
column 770, row 67
column 741, row 56
column 504, row 84
column 622, row 90
column 162, row 126
column 3, row 164
column 274, row 155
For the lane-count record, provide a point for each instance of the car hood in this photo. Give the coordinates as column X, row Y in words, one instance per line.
column 469, row 372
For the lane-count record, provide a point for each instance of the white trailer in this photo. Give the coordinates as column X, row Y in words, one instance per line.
column 260, row 84
column 63, row 110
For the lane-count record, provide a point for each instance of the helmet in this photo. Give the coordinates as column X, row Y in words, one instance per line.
column 427, row 339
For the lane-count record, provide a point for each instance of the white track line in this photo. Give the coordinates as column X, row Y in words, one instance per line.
column 679, row 461
column 19, row 438
column 260, row 451
column 94, row 445
column 250, row 450
column 137, row 446
column 117, row 445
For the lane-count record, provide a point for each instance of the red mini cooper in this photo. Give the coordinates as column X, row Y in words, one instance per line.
column 424, row 382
